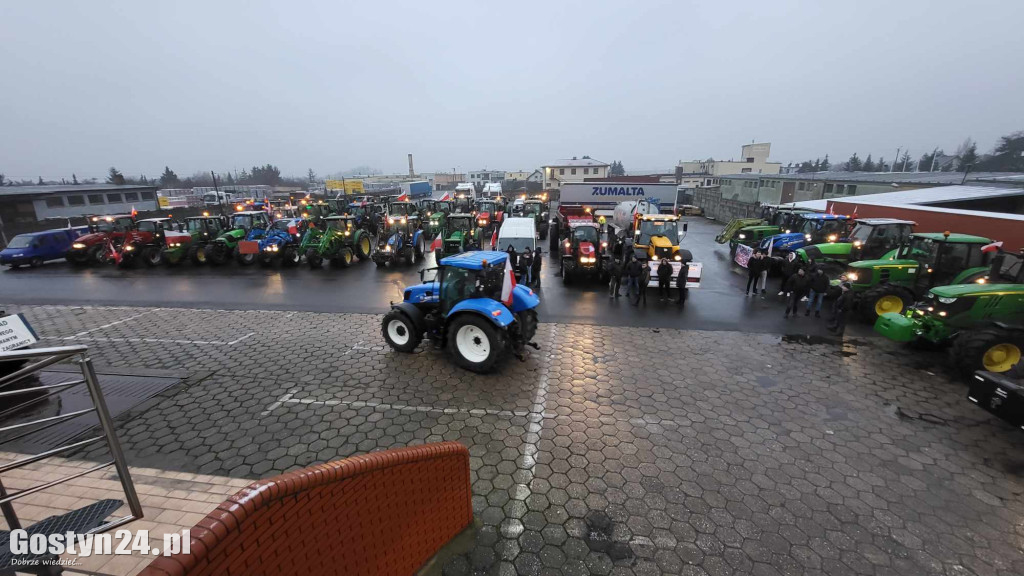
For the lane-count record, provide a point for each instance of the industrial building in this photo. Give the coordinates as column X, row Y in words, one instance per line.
column 30, row 204
column 572, row 170
column 754, row 160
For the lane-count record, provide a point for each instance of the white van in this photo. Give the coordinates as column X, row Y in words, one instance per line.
column 521, row 233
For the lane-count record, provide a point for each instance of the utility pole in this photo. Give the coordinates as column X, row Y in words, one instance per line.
column 895, row 159
column 220, row 201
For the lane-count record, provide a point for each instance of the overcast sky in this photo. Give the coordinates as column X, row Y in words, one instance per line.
column 468, row 85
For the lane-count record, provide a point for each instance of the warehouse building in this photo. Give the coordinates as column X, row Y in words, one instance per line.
column 30, row 204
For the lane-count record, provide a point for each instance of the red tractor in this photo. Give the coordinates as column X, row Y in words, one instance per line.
column 105, row 233
column 584, row 246
column 145, row 242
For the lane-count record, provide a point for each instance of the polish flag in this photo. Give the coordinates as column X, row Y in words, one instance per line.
column 436, row 243
column 446, row 197
column 114, row 254
column 134, row 211
column 855, row 211
column 403, row 198
column 494, row 238
column 508, row 284
column 993, row 247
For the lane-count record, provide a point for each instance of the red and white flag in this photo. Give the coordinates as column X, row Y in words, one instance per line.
column 508, row 284
column 494, row 238
column 403, row 198
column 855, row 211
column 114, row 254
column 446, row 197
column 134, row 211
column 436, row 243
column 993, row 247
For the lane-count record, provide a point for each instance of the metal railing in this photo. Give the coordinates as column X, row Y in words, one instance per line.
column 41, row 358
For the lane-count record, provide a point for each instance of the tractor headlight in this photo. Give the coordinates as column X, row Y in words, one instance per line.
column 807, row 237
column 566, row 243
column 942, row 313
column 857, row 243
column 788, row 231
column 403, row 220
column 391, row 220
column 832, row 237
column 852, row 276
column 429, row 213
column 347, row 233
column 129, row 248
column 604, row 244
column 387, row 248
column 78, row 245
column 981, row 280
column 946, row 300
column 743, row 236
column 677, row 258
column 481, row 222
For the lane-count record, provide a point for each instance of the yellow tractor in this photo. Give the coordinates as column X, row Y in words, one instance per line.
column 657, row 236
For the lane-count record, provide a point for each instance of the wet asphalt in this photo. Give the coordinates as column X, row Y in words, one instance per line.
column 719, row 303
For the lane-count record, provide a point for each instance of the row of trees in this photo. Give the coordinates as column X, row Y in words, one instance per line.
column 267, row 174
column 1007, row 156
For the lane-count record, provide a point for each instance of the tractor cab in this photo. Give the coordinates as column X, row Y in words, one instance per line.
column 1005, row 268
column 459, row 234
column 488, row 212
column 203, row 227
column 115, row 223
column 657, row 236
column 426, row 206
column 146, row 241
column 870, row 239
column 249, row 220
column 443, row 206
column 403, row 209
column 809, row 229
column 942, row 258
column 583, row 250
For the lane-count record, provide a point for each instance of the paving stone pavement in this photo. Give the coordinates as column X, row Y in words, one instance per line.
column 610, row 450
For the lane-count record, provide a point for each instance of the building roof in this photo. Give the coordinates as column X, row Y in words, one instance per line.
column 573, row 162
column 883, row 221
column 936, row 195
column 888, row 177
column 46, row 190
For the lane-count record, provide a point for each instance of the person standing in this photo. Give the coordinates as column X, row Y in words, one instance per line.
column 754, row 271
column 633, row 272
column 526, row 266
column 664, row 279
column 645, row 279
column 615, row 279
column 684, row 273
column 789, row 266
column 843, row 307
column 797, row 289
column 818, row 284
column 535, row 268
column 766, row 265
column 513, row 258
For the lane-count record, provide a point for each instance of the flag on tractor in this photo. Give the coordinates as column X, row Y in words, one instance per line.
column 508, row 284
column 403, row 198
column 494, row 238
column 446, row 197
column 134, row 211
column 436, row 243
column 993, row 247
column 114, row 254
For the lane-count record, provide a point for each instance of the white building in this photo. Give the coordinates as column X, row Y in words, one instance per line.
column 520, row 175
column 480, row 177
column 574, row 170
column 753, row 160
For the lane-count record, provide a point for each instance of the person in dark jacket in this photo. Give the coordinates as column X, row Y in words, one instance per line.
column 684, row 273
column 789, row 266
column 513, row 258
column 664, row 279
column 633, row 272
column 796, row 288
column 615, row 279
column 526, row 266
column 535, row 269
column 818, row 285
column 754, row 267
column 645, row 279
column 843, row 307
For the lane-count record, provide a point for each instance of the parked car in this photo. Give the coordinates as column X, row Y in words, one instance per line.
column 34, row 248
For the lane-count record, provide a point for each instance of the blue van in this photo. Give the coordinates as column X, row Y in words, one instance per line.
column 35, row 248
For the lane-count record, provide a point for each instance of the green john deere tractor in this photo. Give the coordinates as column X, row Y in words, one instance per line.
column 871, row 239
column 458, row 235
column 341, row 242
column 984, row 319
column 434, row 216
column 226, row 245
column 202, row 230
column 923, row 262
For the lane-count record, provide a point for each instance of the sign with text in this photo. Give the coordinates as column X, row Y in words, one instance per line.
column 349, row 186
column 615, row 192
column 692, row 275
column 15, row 332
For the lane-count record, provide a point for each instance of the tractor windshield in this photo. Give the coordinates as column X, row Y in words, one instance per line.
column 241, row 221
column 402, row 209
column 460, row 224
column 1009, row 270
column 924, row 250
column 146, row 226
column 458, row 284
column 486, row 207
column 585, row 234
column 340, row 224
column 532, row 208
column 282, row 225
column 444, row 206
column 649, row 228
column 861, row 233
column 195, row 225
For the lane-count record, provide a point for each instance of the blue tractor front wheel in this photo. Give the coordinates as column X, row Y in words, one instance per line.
column 399, row 332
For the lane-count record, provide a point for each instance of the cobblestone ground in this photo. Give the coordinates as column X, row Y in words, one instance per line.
column 609, row 451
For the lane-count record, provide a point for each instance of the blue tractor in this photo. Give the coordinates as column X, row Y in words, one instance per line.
column 402, row 239
column 461, row 309
column 281, row 242
column 809, row 229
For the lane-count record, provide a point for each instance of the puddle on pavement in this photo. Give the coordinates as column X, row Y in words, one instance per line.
column 846, row 350
column 599, row 537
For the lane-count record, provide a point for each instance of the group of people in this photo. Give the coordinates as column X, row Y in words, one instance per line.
column 801, row 282
column 637, row 274
column 526, row 265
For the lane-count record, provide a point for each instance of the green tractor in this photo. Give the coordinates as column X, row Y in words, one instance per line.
column 871, row 239
column 923, row 262
column 458, row 235
column 983, row 319
column 201, row 230
column 225, row 246
column 340, row 242
column 435, row 214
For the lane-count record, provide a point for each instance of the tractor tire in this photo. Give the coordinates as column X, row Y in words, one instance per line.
column 364, row 247
column 566, row 275
column 410, row 256
column 290, row 257
column 399, row 332
column 314, row 260
column 216, row 253
column 419, row 249
column 883, row 299
column 380, row 263
column 553, row 240
column 344, row 259
column 475, row 343
column 991, row 349
column 96, row 255
column 78, row 259
column 528, row 324
column 197, row 255
column 244, row 259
